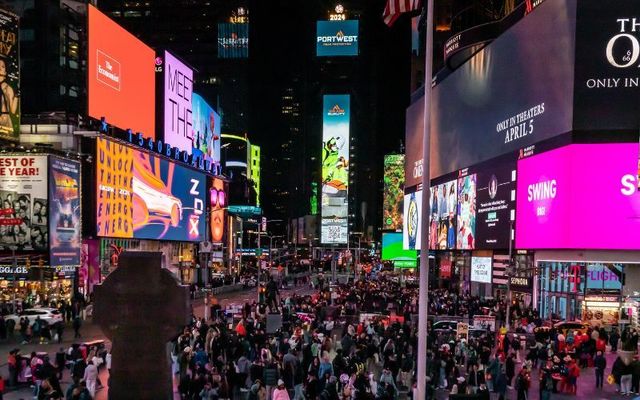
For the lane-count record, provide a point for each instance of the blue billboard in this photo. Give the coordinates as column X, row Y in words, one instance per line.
column 206, row 130
column 337, row 38
column 233, row 40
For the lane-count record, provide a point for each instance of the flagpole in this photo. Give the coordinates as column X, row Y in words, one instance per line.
column 424, row 221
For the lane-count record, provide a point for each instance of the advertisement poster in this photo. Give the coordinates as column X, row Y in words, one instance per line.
column 64, row 212
column 605, row 278
column 392, row 251
column 233, row 40
column 121, row 76
column 143, row 196
column 335, row 169
column 444, row 200
column 206, row 130
column 9, row 76
column 466, row 239
column 412, row 225
column 217, row 204
column 393, row 192
column 337, row 38
column 495, row 200
column 178, row 89
column 481, row 269
column 557, row 189
column 24, row 213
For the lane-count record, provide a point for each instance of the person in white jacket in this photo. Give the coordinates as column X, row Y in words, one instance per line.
column 91, row 377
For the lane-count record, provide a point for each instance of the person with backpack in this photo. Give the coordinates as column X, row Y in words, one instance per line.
column 257, row 391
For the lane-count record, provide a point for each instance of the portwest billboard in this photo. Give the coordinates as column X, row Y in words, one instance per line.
column 9, row 76
column 233, row 40
column 121, row 76
column 336, row 111
column 178, row 109
column 337, row 38
column 393, row 192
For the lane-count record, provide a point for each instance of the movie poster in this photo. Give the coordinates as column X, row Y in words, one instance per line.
column 64, row 204
column 444, row 200
column 9, row 76
column 466, row 212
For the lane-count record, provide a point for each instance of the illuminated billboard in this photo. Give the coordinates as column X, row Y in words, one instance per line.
column 466, row 213
column 178, row 90
column 64, row 212
column 206, row 130
column 392, row 250
column 337, row 38
column 393, row 192
column 24, row 211
column 335, row 168
column 143, row 196
column 412, row 221
column 121, row 76
column 218, row 207
column 443, row 204
column 254, row 168
column 233, row 40
column 9, row 76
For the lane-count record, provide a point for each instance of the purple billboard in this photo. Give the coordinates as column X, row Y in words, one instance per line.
column 178, row 110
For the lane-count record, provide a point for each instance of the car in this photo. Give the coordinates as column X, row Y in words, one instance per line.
column 48, row 315
column 445, row 325
column 575, row 326
column 156, row 201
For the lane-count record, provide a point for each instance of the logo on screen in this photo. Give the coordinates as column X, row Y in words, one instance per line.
column 335, row 111
column 108, row 70
column 542, row 190
column 493, row 187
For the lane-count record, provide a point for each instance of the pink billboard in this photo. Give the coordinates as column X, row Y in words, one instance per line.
column 582, row 196
column 178, row 110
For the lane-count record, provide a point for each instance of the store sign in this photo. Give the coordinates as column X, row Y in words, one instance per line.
column 337, row 38
column 10, row 272
column 445, row 268
column 520, row 282
column 481, row 269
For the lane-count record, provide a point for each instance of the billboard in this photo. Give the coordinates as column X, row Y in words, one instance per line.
column 24, row 213
column 233, row 40
column 393, row 192
column 178, row 90
column 9, row 76
column 206, row 130
column 143, row 196
column 337, row 38
column 443, row 220
column 495, row 202
column 412, row 221
column 217, row 206
column 121, row 76
column 335, row 168
column 392, row 250
column 466, row 213
column 557, row 189
column 481, row 269
column 64, row 212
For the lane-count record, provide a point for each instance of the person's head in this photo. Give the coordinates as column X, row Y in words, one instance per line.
column 599, row 353
column 281, row 383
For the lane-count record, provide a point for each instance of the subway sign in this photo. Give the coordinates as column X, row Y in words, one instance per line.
column 337, row 38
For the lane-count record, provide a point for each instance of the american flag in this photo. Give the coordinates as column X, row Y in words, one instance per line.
column 395, row 8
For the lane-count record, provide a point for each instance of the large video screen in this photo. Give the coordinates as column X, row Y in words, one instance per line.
column 392, row 250
column 412, row 221
column 218, row 208
column 443, row 220
column 121, row 76
column 466, row 213
column 335, row 169
column 206, row 130
column 9, row 75
column 64, row 215
column 581, row 196
column 337, row 38
column 393, row 192
column 495, row 200
column 24, row 211
column 143, row 196
column 178, row 109
column 233, row 40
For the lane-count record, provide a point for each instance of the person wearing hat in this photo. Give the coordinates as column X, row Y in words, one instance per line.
column 280, row 392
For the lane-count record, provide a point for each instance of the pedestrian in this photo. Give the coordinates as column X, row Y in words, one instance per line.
column 59, row 331
column 48, row 392
column 12, row 363
column 76, row 326
column 280, row 392
column 510, row 368
column 522, row 384
column 600, row 362
column 91, row 377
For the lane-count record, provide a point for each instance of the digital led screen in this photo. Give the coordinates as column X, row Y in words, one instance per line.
column 143, row 196
column 24, row 211
column 218, row 208
column 337, row 38
column 64, row 212
column 9, row 75
column 206, row 130
column 393, row 192
column 581, row 196
column 121, row 76
column 495, row 202
column 466, row 212
column 335, row 169
column 481, row 269
column 233, row 40
column 443, row 220
column 412, row 221
column 178, row 109
column 392, row 250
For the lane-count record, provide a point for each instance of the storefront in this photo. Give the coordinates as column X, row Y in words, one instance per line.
column 35, row 286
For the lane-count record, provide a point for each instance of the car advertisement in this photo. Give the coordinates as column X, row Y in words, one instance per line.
column 337, row 38
column 9, row 76
column 143, row 196
column 217, row 206
column 392, row 250
column 64, row 212
column 206, row 130
column 178, row 89
column 557, row 189
column 121, row 76
column 24, row 213
column 466, row 212
column 393, row 192
column 335, row 169
column 412, row 221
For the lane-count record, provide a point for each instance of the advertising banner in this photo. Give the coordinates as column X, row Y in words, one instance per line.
column 178, row 118
column 393, row 192
column 443, row 204
column 604, row 278
column 233, row 40
column 9, row 76
column 23, row 195
column 337, row 38
column 392, row 251
column 557, row 189
column 466, row 212
column 481, row 269
column 64, row 212
column 143, row 196
column 335, row 169
column 206, row 130
column 412, row 224
column 121, row 76
column 217, row 205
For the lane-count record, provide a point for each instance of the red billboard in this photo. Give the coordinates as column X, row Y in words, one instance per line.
column 121, row 76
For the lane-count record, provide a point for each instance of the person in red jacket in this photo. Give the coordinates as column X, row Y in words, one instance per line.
column 574, row 373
